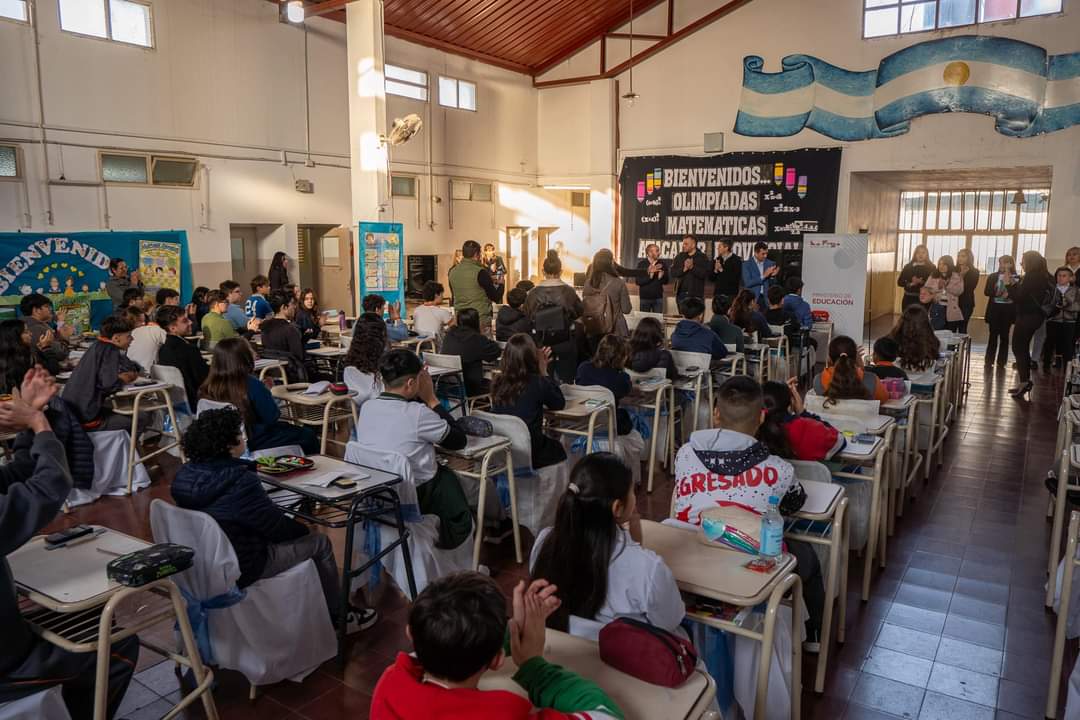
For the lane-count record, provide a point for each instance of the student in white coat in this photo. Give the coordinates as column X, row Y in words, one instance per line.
column 594, row 556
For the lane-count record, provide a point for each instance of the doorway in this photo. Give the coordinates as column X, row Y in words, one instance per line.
column 331, row 253
column 244, row 243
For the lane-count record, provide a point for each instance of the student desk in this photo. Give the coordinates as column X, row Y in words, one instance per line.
column 371, row 499
column 319, row 411
column 822, row 520
column 328, row 358
column 1058, row 653
column 579, row 419
column 907, row 464
column 480, row 455
column 758, row 353
column 73, row 606
column 638, row 699
column 879, row 461
column 147, row 397
column 263, row 366
column 718, row 574
column 649, row 394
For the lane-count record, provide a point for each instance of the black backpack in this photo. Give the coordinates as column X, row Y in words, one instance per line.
column 551, row 325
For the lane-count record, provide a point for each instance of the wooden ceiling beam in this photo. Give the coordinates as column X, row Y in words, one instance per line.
column 435, row 43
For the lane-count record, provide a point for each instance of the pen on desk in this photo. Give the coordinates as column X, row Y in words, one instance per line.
column 78, row 541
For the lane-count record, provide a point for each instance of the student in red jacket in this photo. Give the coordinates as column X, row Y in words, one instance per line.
column 458, row 627
column 791, row 432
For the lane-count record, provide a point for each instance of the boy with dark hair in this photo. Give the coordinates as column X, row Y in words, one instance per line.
column 215, row 326
column 525, row 285
column 886, row 350
column 458, row 626
column 166, row 296
column 431, row 318
column 282, row 339
column 794, row 303
column 230, row 290
column 267, row 541
column 103, row 370
column 37, row 311
column 257, row 307
column 511, row 319
column 780, row 316
column 396, row 330
column 720, row 323
column 729, row 465
column 133, row 295
column 692, row 335
column 408, row 419
column 474, row 348
column 179, row 353
column 120, row 281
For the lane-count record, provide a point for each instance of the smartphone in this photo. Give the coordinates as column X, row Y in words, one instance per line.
column 65, row 536
column 865, row 438
column 344, row 483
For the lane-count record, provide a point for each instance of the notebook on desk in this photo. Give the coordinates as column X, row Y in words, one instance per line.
column 861, row 449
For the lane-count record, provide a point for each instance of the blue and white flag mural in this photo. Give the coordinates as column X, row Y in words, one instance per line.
column 1027, row 91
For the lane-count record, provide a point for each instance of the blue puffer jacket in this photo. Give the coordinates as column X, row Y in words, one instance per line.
column 692, row 336
column 229, row 491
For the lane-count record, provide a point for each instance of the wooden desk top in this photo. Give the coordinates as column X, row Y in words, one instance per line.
column 296, row 482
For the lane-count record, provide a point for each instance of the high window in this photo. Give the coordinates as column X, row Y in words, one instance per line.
column 898, row 17
column 406, row 82
column 454, row 93
column 124, row 21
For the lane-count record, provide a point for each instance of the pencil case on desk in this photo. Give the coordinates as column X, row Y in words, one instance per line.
column 153, row 563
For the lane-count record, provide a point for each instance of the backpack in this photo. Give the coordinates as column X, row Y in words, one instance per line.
column 551, row 326
column 599, row 313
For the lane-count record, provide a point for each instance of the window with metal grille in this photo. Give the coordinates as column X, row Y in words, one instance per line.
column 898, row 17
column 9, row 162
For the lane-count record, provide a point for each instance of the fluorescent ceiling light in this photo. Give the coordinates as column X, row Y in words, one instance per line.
column 566, row 187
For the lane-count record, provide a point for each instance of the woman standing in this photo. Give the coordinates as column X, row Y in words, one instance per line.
column 1000, row 311
column 1029, row 295
column 914, row 275
column 943, row 291
column 279, row 272
column 603, row 284
column 965, row 268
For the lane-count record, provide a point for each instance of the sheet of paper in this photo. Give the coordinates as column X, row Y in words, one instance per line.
column 325, row 479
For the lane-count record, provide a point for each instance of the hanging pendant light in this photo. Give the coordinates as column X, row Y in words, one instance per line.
column 630, row 97
column 1018, row 198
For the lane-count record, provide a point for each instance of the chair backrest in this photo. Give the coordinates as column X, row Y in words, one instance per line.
column 809, row 470
column 205, row 405
column 388, row 461
column 731, row 347
column 515, row 429
column 173, row 376
column 657, row 373
column 442, row 360
column 632, row 320
column 215, row 569
column 777, row 329
column 585, row 627
column 857, row 408
column 365, row 385
column 686, row 360
column 658, row 317
column 588, row 392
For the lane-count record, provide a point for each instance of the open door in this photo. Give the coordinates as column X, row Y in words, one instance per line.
column 334, row 268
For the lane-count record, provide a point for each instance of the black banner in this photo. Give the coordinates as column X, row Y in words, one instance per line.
column 745, row 197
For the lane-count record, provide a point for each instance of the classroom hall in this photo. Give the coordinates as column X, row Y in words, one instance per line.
column 289, row 287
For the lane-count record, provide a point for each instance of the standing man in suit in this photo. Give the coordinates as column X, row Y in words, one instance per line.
column 758, row 273
column 727, row 270
column 691, row 269
column 652, row 275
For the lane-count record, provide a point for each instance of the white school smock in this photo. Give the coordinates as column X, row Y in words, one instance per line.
column 411, row 429
column 640, row 584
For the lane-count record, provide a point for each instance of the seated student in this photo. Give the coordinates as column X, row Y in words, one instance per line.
column 395, row 328
column 230, row 291
column 692, row 335
column 232, row 380
column 361, row 362
column 179, row 353
column 267, row 541
column 54, row 345
column 132, row 296
column 720, row 323
column 843, row 377
column 594, row 556
column 408, row 419
column 197, row 307
column 791, row 432
column 745, row 315
column 257, row 307
column 465, row 340
column 102, row 371
column 607, row 369
column 431, row 318
column 886, row 350
column 780, row 316
column 33, row 487
column 525, row 285
column 511, row 318
column 308, row 318
column 523, row 389
column 647, row 349
column 166, row 296
column 919, row 346
column 458, row 626
column 282, row 340
column 146, row 340
column 794, row 303
column 215, row 326
column 740, row 469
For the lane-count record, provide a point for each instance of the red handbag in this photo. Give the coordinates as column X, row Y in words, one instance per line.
column 647, row 652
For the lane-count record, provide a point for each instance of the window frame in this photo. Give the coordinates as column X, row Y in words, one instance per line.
column 415, row 185
column 458, row 182
column 426, row 87
column 20, row 169
column 899, row 5
column 108, row 26
column 457, row 94
column 153, row 161
column 26, row 22
column 150, row 159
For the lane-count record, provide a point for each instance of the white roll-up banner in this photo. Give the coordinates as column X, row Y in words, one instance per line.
column 834, row 277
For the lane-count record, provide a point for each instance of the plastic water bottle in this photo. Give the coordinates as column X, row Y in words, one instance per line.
column 772, row 531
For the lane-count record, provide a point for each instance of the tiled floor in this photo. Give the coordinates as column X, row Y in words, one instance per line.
column 955, row 628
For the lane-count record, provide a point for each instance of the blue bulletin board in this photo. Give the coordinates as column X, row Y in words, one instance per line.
column 382, row 261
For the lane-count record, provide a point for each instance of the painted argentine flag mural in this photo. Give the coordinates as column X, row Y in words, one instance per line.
column 1027, row 91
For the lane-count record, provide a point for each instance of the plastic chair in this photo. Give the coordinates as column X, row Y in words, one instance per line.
column 110, row 456
column 249, row 454
column 453, row 362
column 44, row 705
column 148, row 400
column 629, row 448
column 538, row 491
column 365, row 385
column 700, row 383
column 429, row 563
column 291, row 603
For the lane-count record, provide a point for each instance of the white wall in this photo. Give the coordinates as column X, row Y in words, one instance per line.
column 693, row 87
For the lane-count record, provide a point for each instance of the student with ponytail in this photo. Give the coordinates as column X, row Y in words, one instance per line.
column 844, row 378
column 790, row 431
column 594, row 556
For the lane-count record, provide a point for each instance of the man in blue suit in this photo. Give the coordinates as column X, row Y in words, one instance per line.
column 758, row 273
